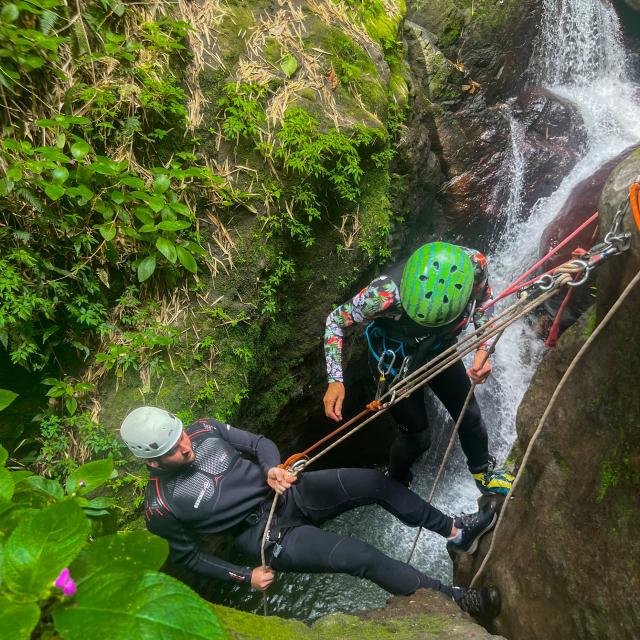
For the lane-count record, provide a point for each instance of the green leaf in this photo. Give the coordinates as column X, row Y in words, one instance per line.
column 71, row 404
column 147, row 228
column 117, row 196
column 288, row 65
column 186, row 259
column 167, row 249
column 157, row 203
column 41, row 546
column 146, row 268
column 4, row 456
column 173, row 225
column 181, row 208
column 144, row 215
column 53, row 154
column 103, row 502
column 7, row 486
column 80, row 149
column 54, row 191
column 18, row 619
column 133, row 182
column 161, row 184
column 59, row 175
column 9, row 12
column 50, row 488
column 125, row 551
column 14, row 172
column 89, row 476
column 108, row 231
column 6, row 398
column 61, row 139
column 116, row 606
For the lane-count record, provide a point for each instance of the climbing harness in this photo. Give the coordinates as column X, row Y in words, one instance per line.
column 529, row 295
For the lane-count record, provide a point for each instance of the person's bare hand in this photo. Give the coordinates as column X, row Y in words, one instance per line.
column 481, row 368
column 333, row 399
column 280, row 479
column 262, row 578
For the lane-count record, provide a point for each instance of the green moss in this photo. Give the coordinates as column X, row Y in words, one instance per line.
column 608, row 478
column 590, row 323
column 376, row 216
column 272, row 50
column 247, row 626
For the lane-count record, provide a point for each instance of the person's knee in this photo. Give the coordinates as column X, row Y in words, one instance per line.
column 354, row 557
column 361, row 483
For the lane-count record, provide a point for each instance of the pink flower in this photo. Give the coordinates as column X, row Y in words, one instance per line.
column 65, row 583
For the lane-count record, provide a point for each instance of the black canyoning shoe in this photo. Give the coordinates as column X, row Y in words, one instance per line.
column 473, row 527
column 480, row 603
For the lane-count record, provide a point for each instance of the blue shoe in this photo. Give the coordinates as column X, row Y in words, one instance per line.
column 473, row 526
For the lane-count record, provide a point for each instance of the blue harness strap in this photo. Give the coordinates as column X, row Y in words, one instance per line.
column 372, row 333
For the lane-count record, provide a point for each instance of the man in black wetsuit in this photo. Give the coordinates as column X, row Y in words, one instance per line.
column 212, row 478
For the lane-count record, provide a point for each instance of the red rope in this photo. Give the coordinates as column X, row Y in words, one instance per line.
column 554, row 332
column 516, row 284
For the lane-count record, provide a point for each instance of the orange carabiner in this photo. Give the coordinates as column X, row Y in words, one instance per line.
column 634, row 201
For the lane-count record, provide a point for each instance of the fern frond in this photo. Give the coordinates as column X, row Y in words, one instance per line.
column 48, row 21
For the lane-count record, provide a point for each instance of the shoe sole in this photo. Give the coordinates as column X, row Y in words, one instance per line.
column 474, row 545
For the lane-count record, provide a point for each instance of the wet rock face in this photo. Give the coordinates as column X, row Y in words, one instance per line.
column 469, row 80
column 476, row 147
column 567, row 555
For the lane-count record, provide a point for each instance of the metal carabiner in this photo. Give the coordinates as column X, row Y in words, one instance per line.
column 299, row 465
column 381, row 362
column 585, row 268
column 545, row 282
column 620, row 242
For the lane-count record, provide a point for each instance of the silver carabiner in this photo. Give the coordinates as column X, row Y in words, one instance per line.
column 585, row 267
column 381, row 362
column 545, row 282
column 299, row 465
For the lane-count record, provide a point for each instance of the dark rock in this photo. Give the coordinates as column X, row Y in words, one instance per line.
column 567, row 556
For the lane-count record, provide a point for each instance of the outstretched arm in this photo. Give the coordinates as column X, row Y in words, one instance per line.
column 380, row 298
column 481, row 368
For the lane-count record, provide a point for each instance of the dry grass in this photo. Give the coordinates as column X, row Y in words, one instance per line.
column 204, row 17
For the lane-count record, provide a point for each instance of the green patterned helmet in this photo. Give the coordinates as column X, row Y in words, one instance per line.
column 436, row 283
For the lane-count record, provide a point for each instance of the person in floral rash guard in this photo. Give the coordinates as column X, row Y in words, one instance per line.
column 434, row 273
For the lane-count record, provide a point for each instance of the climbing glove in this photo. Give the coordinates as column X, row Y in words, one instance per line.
column 493, row 481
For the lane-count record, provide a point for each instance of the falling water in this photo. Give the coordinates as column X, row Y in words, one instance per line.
column 579, row 57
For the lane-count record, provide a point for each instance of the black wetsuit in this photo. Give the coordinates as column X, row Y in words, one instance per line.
column 225, row 489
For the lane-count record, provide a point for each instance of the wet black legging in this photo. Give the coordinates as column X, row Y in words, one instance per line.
column 321, row 495
column 414, row 438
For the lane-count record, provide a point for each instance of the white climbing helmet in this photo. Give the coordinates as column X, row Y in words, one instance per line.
column 150, row 432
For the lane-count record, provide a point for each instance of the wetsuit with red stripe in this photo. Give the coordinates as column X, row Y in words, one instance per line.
column 223, row 487
column 225, row 490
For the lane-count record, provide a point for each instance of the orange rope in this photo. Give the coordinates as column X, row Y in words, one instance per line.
column 372, row 407
column 634, row 200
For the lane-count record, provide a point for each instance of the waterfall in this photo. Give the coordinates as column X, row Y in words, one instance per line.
column 578, row 56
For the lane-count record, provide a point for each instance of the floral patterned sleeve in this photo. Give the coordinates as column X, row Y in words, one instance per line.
column 482, row 292
column 380, row 298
